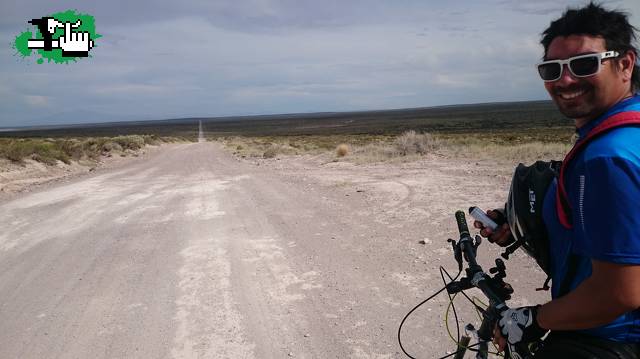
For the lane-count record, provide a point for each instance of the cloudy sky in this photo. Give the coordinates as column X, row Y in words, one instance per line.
column 172, row 59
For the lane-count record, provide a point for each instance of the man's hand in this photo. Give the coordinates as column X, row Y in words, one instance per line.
column 502, row 235
column 518, row 325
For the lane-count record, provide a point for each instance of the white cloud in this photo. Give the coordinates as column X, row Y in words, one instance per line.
column 36, row 101
column 131, row 89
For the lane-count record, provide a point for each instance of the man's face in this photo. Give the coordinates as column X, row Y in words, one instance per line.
column 585, row 98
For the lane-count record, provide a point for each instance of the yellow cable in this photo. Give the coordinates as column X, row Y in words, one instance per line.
column 474, row 299
column 485, row 306
column 446, row 319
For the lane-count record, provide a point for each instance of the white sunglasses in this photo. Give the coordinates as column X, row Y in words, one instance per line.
column 579, row 66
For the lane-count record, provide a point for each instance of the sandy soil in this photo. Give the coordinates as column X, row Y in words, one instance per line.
column 192, row 253
column 25, row 177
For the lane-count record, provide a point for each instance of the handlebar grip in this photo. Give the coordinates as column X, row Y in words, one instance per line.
column 462, row 224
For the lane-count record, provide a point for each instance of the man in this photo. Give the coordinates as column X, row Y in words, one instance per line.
column 591, row 74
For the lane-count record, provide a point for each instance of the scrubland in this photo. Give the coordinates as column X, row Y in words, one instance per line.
column 521, row 131
column 51, row 150
column 407, row 146
column 505, row 133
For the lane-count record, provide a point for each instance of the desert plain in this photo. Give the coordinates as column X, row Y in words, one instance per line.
column 246, row 246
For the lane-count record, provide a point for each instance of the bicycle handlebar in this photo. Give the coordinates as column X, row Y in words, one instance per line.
column 462, row 224
column 494, row 288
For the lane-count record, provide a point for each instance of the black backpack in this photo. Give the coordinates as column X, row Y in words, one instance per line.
column 524, row 209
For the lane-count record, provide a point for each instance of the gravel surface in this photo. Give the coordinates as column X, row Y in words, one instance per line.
column 192, row 253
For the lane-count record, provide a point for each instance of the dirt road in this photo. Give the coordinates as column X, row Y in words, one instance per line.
column 191, row 253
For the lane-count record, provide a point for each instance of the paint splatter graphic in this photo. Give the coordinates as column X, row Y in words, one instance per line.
column 20, row 43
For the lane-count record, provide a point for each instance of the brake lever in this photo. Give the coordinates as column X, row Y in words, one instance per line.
column 457, row 253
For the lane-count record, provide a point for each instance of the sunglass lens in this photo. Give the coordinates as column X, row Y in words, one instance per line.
column 584, row 66
column 550, row 71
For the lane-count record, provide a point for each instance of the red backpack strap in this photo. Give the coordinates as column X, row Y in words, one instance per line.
column 563, row 207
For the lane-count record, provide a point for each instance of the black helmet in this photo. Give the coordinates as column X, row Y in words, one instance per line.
column 524, row 209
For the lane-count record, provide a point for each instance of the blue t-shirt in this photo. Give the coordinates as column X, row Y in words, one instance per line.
column 603, row 187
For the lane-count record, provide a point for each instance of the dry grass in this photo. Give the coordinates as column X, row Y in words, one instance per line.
column 50, row 151
column 274, row 146
column 271, row 151
column 342, row 150
column 411, row 142
column 525, row 152
column 408, row 146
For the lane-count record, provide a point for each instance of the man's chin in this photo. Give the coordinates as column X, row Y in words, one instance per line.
column 573, row 110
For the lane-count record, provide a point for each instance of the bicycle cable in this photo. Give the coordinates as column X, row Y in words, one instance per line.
column 413, row 309
column 451, row 304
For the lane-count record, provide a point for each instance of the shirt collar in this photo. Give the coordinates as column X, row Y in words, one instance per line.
column 619, row 107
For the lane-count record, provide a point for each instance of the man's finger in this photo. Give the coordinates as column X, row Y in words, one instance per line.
column 486, row 232
column 504, row 230
column 501, row 235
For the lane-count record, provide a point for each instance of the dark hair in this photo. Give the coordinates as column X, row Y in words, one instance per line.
column 594, row 20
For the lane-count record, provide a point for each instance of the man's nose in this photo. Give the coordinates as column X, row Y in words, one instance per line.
column 566, row 77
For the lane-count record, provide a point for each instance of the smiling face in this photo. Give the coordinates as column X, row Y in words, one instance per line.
column 586, row 98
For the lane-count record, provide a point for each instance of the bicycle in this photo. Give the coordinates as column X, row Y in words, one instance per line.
column 494, row 288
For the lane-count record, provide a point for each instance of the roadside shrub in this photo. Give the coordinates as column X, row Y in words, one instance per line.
column 270, row 152
column 40, row 150
column 131, row 142
column 151, row 139
column 17, row 150
column 411, row 142
column 92, row 147
column 49, row 153
column 111, row 146
column 71, row 147
column 342, row 150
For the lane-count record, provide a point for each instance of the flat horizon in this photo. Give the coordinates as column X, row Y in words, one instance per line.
column 252, row 116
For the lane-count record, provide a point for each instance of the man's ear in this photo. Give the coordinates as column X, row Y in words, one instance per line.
column 626, row 63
